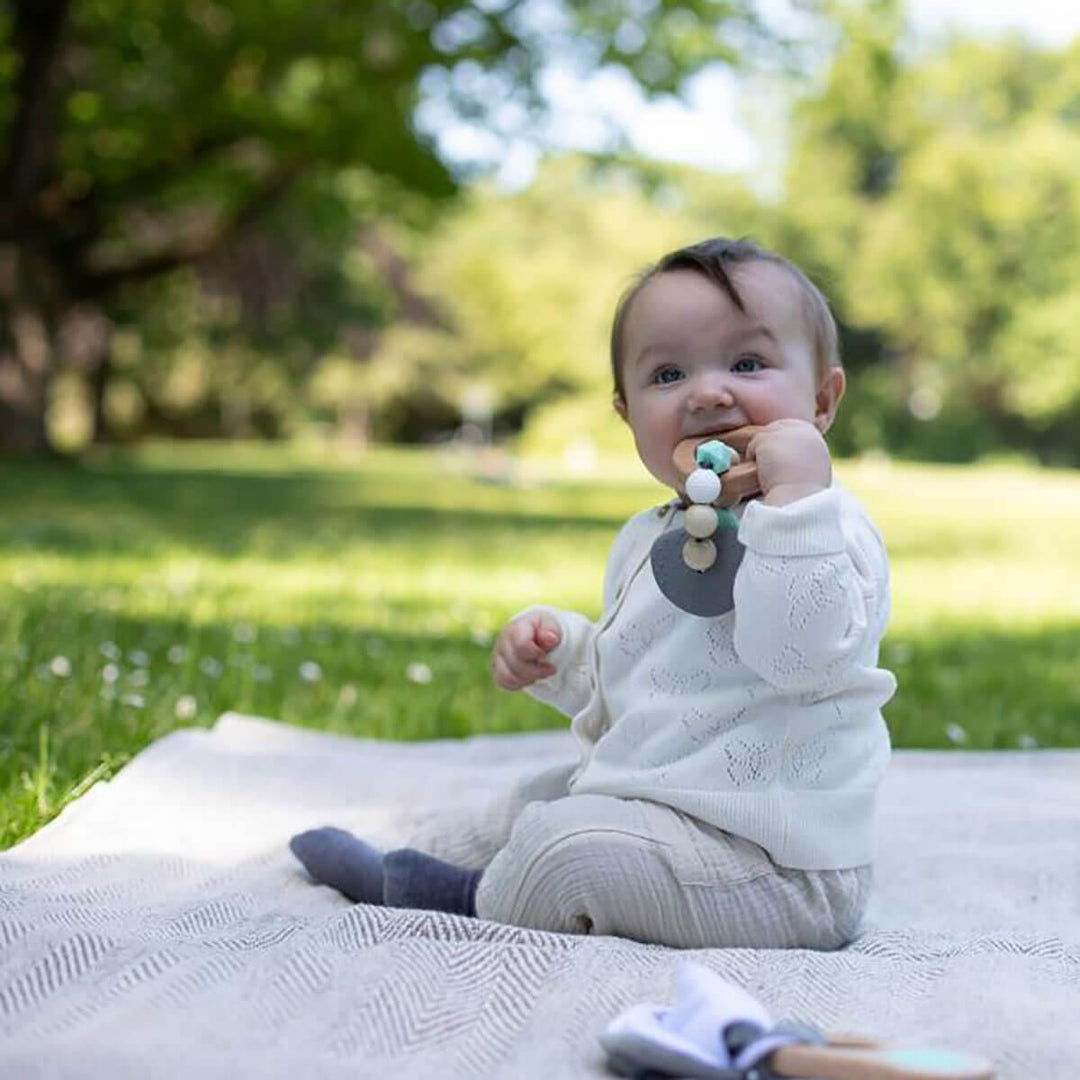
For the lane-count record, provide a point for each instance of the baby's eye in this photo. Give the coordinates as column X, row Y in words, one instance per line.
column 747, row 363
column 666, row 374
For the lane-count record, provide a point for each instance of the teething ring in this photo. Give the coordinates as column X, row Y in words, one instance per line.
column 739, row 482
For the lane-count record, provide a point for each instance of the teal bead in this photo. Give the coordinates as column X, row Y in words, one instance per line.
column 714, row 455
column 726, row 519
column 929, row 1060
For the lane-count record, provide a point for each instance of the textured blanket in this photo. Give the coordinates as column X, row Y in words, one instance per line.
column 160, row 928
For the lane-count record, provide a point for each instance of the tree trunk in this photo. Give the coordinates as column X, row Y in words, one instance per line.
column 86, row 346
column 26, row 364
column 23, row 407
column 27, row 317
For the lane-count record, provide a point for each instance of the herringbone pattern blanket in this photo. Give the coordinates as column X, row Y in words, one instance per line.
column 160, row 928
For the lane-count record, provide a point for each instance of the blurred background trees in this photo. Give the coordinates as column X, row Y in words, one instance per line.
column 228, row 220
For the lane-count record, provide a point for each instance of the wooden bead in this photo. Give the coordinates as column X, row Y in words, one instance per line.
column 699, row 554
column 703, row 486
column 700, row 521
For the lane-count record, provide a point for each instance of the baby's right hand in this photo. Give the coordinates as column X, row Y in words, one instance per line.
column 519, row 657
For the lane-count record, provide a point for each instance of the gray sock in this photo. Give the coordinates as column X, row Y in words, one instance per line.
column 416, row 880
column 337, row 858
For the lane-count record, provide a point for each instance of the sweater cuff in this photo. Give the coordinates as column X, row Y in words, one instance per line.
column 808, row 526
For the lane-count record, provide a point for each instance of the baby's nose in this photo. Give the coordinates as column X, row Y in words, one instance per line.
column 710, row 390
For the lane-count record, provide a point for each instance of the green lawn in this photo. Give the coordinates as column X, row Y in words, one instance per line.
column 148, row 591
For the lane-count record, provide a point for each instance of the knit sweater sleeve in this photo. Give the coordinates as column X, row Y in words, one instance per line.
column 571, row 687
column 812, row 593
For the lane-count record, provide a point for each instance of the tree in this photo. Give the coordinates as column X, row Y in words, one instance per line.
column 971, row 264
column 937, row 196
column 139, row 135
column 525, row 283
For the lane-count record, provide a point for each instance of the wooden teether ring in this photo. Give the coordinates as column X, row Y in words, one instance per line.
column 740, row 481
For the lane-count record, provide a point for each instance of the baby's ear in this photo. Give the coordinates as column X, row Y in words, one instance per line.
column 828, row 398
column 620, row 404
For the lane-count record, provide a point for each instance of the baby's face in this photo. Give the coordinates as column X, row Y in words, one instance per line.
column 694, row 364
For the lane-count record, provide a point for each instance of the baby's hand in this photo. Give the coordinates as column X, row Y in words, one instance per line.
column 519, row 657
column 792, row 461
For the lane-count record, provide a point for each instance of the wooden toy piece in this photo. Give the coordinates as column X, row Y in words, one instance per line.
column 701, row 521
column 740, row 481
column 699, row 555
column 845, row 1058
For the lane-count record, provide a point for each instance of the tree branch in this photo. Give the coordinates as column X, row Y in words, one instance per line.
column 147, row 266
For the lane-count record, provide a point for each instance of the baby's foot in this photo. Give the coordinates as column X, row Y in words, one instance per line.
column 337, row 858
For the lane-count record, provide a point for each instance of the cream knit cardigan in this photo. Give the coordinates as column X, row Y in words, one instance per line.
column 764, row 721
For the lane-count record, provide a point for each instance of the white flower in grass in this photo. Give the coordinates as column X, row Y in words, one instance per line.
column 186, row 707
column 139, row 658
column 956, row 734
column 109, row 674
column 244, row 633
column 310, row 672
column 110, row 650
column 177, row 654
column 347, row 696
column 419, row 673
column 1027, row 742
column 60, row 666
column 211, row 668
column 480, row 636
column 261, row 673
column 134, row 701
column 139, row 677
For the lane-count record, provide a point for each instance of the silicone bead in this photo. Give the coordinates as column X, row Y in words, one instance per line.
column 699, row 554
column 703, row 486
column 700, row 521
column 715, row 455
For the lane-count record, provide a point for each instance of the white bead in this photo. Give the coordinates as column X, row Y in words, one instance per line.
column 703, row 486
column 700, row 521
column 699, row 554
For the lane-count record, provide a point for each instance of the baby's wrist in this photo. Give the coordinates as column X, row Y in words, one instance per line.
column 791, row 491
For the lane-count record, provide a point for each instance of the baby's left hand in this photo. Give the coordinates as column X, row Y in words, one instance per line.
column 792, row 461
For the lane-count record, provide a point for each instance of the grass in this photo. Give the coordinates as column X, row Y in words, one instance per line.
column 147, row 591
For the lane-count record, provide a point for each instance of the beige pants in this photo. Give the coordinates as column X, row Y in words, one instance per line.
column 594, row 864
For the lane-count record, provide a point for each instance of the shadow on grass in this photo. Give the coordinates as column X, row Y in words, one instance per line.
column 131, row 511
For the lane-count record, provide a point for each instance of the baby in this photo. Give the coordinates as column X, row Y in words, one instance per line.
column 728, row 766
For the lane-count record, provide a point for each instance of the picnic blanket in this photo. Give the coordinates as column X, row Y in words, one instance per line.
column 160, row 928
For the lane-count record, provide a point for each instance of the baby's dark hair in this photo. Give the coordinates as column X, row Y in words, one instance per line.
column 717, row 259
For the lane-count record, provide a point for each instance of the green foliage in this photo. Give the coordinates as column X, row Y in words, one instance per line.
column 963, row 258
column 526, row 283
column 142, row 136
column 934, row 195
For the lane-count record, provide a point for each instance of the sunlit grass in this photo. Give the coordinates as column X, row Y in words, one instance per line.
column 150, row 591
